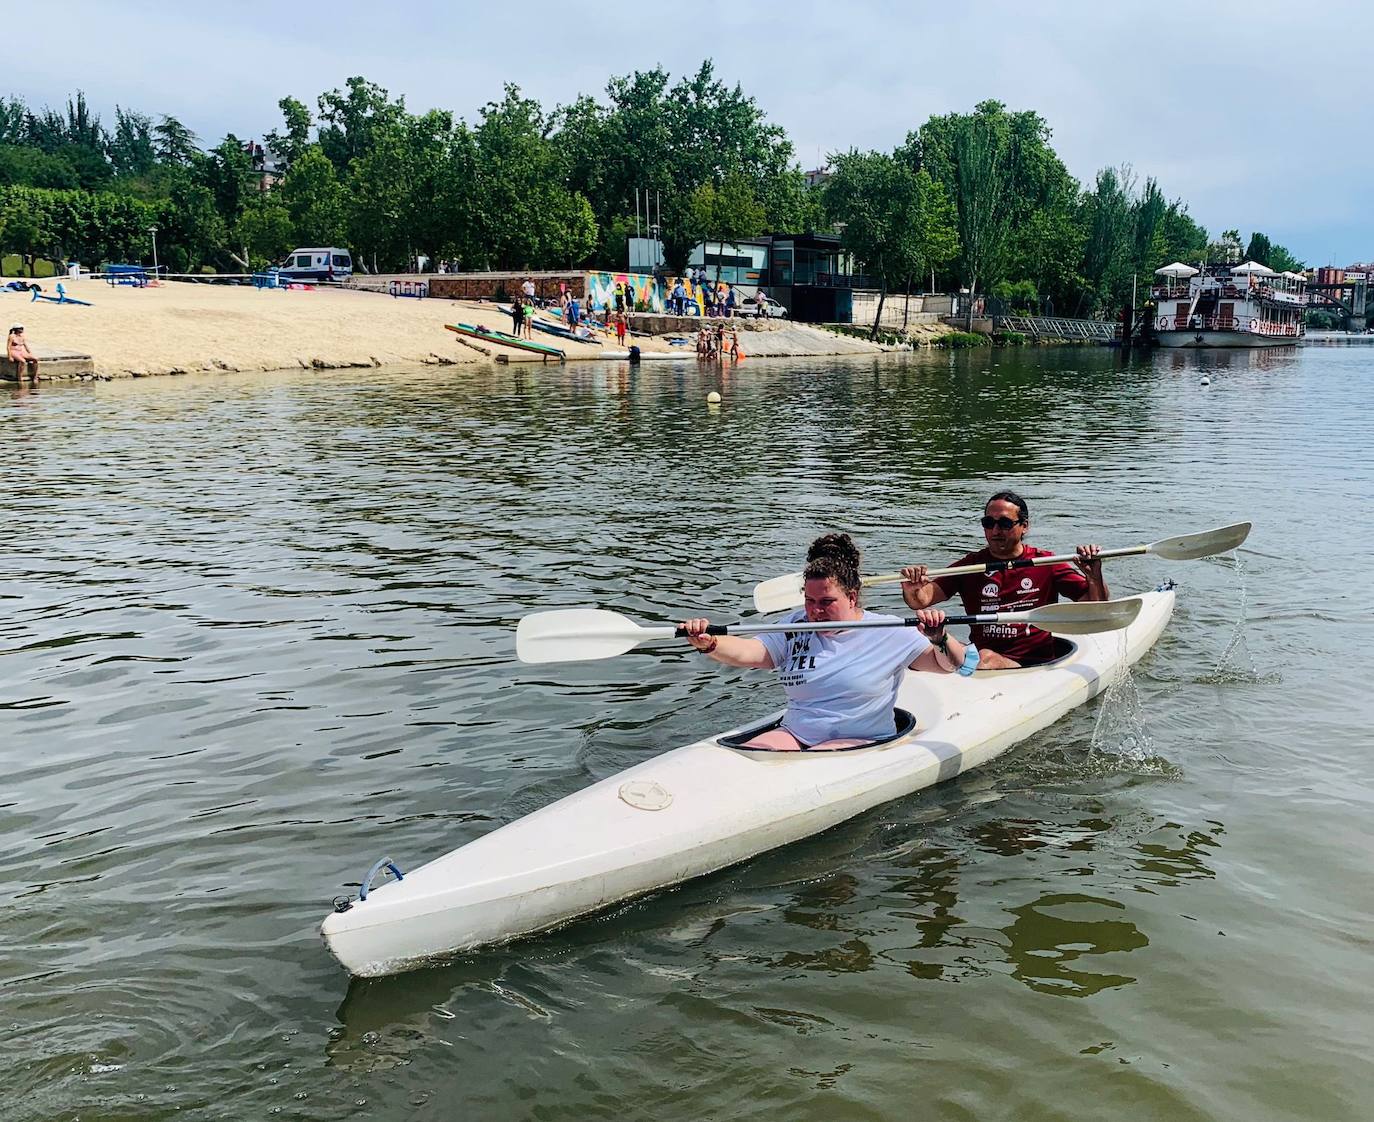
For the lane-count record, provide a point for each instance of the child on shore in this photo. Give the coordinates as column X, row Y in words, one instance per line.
column 620, row 326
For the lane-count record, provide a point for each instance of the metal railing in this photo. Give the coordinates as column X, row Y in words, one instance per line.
column 1253, row 326
column 1050, row 327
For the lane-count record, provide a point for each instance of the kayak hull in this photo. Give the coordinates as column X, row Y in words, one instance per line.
column 505, row 340
column 704, row 807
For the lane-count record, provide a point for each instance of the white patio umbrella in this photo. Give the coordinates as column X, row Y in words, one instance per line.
column 1177, row 269
column 1253, row 269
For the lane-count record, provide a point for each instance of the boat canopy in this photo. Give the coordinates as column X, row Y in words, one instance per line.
column 1177, row 269
column 1293, row 276
column 1253, row 269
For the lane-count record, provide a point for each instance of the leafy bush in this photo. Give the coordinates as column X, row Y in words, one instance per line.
column 958, row 340
column 1009, row 338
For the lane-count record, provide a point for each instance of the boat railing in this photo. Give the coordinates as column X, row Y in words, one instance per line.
column 1254, row 325
column 1282, row 296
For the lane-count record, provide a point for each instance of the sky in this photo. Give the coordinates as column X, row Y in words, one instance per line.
column 1254, row 114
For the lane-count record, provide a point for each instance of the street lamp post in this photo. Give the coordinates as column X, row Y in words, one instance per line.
column 153, row 231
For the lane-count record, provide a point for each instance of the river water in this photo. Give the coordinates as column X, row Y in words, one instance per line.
column 257, row 631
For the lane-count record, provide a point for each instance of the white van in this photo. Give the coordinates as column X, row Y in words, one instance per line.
column 318, row 264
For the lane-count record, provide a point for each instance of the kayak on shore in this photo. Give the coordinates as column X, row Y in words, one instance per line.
column 712, row 804
column 501, row 337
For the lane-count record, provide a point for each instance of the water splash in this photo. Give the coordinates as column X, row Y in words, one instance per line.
column 1120, row 730
column 1237, row 663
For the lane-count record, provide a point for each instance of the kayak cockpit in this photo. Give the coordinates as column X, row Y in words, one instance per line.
column 906, row 724
column 1064, row 649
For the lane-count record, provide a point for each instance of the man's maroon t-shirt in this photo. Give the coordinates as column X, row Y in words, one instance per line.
column 1014, row 590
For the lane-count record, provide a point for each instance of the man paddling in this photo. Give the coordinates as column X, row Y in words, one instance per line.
column 1006, row 522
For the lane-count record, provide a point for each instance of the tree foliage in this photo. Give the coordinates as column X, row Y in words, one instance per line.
column 979, row 198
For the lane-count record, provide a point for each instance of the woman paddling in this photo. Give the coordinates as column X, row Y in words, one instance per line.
column 841, row 686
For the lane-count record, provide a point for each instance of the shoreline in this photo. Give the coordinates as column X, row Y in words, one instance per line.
column 180, row 327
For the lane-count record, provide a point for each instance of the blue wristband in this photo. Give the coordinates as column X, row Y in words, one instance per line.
column 970, row 663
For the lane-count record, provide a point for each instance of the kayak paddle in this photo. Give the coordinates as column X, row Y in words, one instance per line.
column 781, row 593
column 583, row 634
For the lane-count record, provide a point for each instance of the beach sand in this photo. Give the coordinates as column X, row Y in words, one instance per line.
column 181, row 327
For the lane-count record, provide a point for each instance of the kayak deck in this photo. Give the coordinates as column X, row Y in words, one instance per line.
column 706, row 806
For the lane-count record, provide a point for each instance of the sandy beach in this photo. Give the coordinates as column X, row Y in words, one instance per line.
column 176, row 328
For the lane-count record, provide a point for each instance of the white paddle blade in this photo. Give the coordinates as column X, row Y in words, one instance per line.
column 779, row 593
column 1189, row 547
column 580, row 635
column 1085, row 619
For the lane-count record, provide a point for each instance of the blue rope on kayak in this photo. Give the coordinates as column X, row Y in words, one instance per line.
column 381, row 863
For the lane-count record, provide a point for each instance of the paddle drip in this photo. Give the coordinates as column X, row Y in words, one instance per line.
column 1236, row 663
column 1120, row 729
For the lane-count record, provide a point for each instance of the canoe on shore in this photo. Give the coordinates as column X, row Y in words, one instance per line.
column 490, row 336
column 711, row 804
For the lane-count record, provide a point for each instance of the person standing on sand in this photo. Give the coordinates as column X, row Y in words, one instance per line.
column 529, row 317
column 517, row 317
column 620, row 326
column 17, row 351
column 528, row 289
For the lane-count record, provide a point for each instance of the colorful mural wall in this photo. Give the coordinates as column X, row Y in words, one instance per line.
column 647, row 292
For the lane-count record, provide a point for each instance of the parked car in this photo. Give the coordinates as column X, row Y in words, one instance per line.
column 327, row 263
column 771, row 308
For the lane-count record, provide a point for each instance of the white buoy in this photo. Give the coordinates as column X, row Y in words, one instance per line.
column 713, row 398
column 1206, row 381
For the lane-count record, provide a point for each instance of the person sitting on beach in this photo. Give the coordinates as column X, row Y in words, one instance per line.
column 841, row 685
column 17, row 351
column 1006, row 646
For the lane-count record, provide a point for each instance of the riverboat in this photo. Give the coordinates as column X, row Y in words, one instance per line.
column 712, row 804
column 1248, row 305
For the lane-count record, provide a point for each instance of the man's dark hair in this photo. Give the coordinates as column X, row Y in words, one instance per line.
column 1010, row 497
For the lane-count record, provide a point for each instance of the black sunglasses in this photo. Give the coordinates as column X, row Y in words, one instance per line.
column 988, row 522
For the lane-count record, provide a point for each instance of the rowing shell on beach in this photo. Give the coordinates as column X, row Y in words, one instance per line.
column 714, row 803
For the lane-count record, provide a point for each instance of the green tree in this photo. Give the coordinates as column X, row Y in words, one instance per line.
column 266, row 230
column 23, row 231
column 1282, row 261
column 290, row 144
column 192, row 231
column 671, row 141
column 228, row 172
column 1108, row 222
column 131, row 147
column 314, row 199
column 32, row 167
column 893, row 220
column 727, row 213
column 978, row 158
column 174, row 143
column 1226, row 250
column 352, row 119
column 1259, row 249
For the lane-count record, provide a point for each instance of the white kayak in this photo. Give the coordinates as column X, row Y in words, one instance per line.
column 708, row 805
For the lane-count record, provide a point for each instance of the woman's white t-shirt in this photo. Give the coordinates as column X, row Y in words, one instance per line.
column 843, row 684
